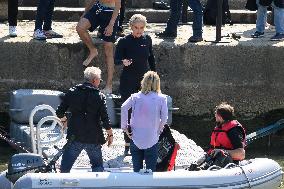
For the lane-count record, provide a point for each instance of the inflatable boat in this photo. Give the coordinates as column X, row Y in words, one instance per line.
column 261, row 173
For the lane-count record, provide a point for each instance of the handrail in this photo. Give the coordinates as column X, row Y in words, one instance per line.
column 39, row 131
column 31, row 122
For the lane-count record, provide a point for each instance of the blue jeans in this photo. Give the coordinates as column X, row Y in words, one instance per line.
column 44, row 14
column 262, row 18
column 173, row 20
column 150, row 155
column 73, row 151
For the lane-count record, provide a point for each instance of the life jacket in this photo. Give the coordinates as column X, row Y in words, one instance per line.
column 219, row 136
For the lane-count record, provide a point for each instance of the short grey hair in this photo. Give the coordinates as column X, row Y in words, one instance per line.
column 92, row 73
column 137, row 18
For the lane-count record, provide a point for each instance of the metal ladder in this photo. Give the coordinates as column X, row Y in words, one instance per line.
column 37, row 130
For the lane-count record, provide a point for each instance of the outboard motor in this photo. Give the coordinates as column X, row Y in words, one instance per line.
column 23, row 163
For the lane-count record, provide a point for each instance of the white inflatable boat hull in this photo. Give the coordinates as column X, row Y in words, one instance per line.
column 260, row 173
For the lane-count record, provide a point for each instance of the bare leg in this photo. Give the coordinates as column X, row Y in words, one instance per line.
column 108, row 46
column 81, row 28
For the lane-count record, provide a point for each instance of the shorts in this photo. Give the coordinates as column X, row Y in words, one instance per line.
column 100, row 15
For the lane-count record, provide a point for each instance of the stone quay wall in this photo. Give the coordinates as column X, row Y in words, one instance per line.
column 198, row 77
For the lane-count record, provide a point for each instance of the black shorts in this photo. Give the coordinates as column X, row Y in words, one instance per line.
column 100, row 15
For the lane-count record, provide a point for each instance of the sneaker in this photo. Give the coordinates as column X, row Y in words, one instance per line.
column 39, row 35
column 52, row 34
column 165, row 34
column 257, row 34
column 277, row 37
column 13, row 31
column 195, row 39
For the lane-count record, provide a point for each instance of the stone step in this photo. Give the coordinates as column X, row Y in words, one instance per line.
column 60, row 3
column 247, row 72
column 153, row 16
column 234, row 4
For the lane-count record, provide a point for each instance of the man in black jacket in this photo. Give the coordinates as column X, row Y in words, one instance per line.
column 88, row 108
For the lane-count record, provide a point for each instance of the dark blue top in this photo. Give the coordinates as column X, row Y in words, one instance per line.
column 137, row 49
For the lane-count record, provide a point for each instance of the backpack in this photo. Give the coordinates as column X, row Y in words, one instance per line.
column 210, row 13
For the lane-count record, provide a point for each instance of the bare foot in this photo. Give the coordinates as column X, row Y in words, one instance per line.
column 92, row 55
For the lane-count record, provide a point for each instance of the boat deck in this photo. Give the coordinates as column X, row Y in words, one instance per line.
column 113, row 156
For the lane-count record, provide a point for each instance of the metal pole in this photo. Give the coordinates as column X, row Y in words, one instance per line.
column 219, row 20
column 184, row 11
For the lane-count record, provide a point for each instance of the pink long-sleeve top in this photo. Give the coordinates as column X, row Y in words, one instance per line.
column 148, row 117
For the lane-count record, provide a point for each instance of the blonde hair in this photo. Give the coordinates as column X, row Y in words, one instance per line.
column 150, row 82
column 137, row 18
column 92, row 73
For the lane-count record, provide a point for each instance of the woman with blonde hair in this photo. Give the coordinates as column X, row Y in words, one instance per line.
column 135, row 53
column 148, row 117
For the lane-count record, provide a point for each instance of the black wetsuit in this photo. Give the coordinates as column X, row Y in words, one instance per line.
column 141, row 53
column 139, row 50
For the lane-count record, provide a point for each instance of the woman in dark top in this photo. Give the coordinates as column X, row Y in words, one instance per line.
column 135, row 52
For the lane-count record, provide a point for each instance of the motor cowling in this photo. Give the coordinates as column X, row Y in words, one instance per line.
column 23, row 163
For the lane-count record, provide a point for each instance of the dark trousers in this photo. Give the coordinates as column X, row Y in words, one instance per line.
column 121, row 15
column 12, row 12
column 150, row 155
column 44, row 14
column 176, row 8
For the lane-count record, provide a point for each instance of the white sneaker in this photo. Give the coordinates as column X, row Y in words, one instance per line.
column 39, row 35
column 13, row 31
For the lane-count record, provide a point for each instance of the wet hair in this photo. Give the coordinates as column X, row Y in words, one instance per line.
column 91, row 73
column 226, row 111
column 150, row 82
column 137, row 18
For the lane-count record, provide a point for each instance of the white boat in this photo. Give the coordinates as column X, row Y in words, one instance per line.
column 257, row 173
column 260, row 173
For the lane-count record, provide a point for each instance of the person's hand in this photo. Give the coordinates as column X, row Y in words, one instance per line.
column 64, row 122
column 109, row 139
column 108, row 30
column 215, row 152
column 128, row 134
column 127, row 62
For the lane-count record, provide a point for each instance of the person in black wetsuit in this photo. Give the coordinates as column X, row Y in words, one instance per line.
column 135, row 52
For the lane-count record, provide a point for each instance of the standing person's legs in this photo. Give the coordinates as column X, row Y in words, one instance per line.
column 151, row 156
column 48, row 16
column 12, row 12
column 175, row 13
column 196, row 7
column 41, row 13
column 69, row 156
column 12, row 17
column 108, row 47
column 279, row 23
column 121, row 16
column 261, row 17
column 95, row 155
column 173, row 20
column 279, row 19
column 137, row 157
column 82, row 30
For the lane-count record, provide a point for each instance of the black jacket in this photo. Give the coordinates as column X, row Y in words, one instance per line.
column 87, row 106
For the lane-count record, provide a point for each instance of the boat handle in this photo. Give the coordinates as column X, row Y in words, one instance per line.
column 230, row 165
column 214, row 168
column 67, row 182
